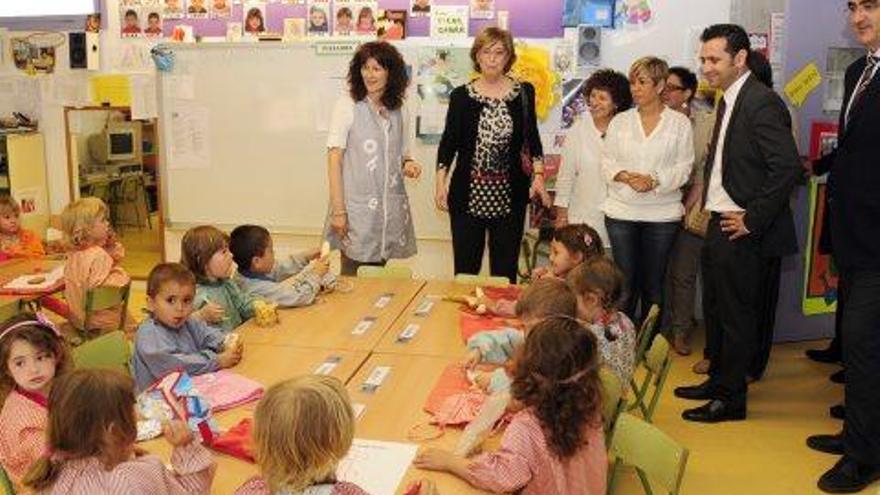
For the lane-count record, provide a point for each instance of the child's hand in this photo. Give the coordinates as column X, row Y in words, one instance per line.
column 483, row 380
column 311, row 254
column 472, row 359
column 230, row 357
column 177, row 433
column 412, row 169
column 320, row 266
column 212, row 312
column 434, row 460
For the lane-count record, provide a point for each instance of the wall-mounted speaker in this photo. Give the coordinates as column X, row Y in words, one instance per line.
column 77, row 45
column 589, row 53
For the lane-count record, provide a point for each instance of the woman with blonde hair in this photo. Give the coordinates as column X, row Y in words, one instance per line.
column 647, row 158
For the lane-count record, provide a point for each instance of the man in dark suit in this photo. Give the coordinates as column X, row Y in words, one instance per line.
column 854, row 208
column 751, row 170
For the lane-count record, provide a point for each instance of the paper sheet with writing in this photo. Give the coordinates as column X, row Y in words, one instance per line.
column 113, row 89
column 143, row 97
column 190, row 141
column 803, row 83
column 376, row 466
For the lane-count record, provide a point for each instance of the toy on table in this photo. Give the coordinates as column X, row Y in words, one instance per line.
column 477, row 302
column 265, row 313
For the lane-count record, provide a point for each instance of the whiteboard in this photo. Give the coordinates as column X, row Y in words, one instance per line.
column 266, row 109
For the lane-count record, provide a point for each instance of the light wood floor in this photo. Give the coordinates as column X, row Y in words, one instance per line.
column 143, row 249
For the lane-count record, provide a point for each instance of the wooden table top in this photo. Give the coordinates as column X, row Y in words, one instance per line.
column 438, row 332
column 267, row 365
column 396, row 406
column 330, row 323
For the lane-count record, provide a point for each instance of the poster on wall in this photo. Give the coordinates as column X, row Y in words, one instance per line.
column 449, row 22
column 634, row 13
column 482, row 9
column 438, row 72
column 820, row 274
column 391, row 25
column 594, row 12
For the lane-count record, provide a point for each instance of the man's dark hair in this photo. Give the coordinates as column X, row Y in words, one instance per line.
column 736, row 36
column 760, row 67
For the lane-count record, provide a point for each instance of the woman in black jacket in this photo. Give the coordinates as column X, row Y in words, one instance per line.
column 490, row 121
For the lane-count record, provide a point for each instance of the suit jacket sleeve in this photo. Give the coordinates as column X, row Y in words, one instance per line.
column 772, row 136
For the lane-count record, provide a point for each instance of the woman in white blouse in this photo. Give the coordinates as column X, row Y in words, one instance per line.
column 580, row 186
column 647, row 157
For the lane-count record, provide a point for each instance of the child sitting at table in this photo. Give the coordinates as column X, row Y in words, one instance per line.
column 294, row 281
column 170, row 338
column 554, row 445
column 94, row 262
column 32, row 354
column 545, row 297
column 15, row 241
column 570, row 246
column 598, row 284
column 220, row 301
column 303, row 427
column 92, row 432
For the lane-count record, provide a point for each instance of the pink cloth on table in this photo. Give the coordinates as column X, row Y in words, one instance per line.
column 511, row 292
column 453, row 401
column 470, row 324
column 237, row 441
column 224, row 389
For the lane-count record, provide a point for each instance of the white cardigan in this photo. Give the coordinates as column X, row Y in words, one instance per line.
column 667, row 155
column 580, row 185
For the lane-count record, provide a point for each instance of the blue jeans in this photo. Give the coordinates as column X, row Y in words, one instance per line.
column 641, row 250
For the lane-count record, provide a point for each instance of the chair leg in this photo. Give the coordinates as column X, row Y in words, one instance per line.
column 612, row 476
column 645, row 483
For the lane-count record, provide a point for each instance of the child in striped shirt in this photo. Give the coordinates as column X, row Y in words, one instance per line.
column 92, row 431
column 32, row 354
column 554, row 445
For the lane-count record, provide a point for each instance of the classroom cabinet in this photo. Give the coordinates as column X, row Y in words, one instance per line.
column 23, row 175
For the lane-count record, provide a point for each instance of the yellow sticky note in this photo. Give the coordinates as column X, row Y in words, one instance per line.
column 114, row 89
column 803, row 83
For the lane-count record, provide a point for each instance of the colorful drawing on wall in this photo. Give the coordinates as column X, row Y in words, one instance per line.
column 593, row 12
column 574, row 103
column 391, row 24
column 534, row 64
column 438, row 72
column 633, row 13
column 820, row 274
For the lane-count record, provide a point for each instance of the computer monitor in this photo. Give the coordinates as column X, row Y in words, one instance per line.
column 118, row 142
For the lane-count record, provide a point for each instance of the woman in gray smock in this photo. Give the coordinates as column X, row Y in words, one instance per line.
column 369, row 218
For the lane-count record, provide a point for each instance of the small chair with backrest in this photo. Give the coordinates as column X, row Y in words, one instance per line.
column 646, row 332
column 6, row 483
column 399, row 272
column 613, row 402
column 101, row 298
column 655, row 456
column 111, row 351
column 656, row 365
column 483, row 281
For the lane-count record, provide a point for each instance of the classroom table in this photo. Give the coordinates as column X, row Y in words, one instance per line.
column 333, row 321
column 438, row 331
column 397, row 405
column 17, row 267
column 266, row 364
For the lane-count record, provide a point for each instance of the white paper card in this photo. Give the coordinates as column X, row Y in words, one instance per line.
column 363, row 325
column 383, row 301
column 327, row 367
column 408, row 332
column 358, row 409
column 375, row 379
column 425, row 307
column 190, row 142
column 377, row 467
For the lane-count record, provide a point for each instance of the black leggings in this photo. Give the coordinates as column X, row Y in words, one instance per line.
column 505, row 237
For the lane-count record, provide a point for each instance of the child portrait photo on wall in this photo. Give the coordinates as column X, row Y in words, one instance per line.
column 318, row 20
column 366, row 23
column 172, row 8
column 221, row 8
column 255, row 18
column 344, row 19
column 482, row 9
column 154, row 23
column 130, row 22
column 197, row 8
column 420, row 7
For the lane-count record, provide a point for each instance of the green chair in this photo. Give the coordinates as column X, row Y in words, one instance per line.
column 9, row 310
column 646, row 332
column 369, row 271
column 110, row 351
column 101, row 298
column 6, row 483
column 613, row 402
column 655, row 456
column 467, row 278
column 656, row 364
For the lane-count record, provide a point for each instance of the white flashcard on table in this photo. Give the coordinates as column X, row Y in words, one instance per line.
column 358, row 409
column 329, row 364
column 375, row 379
column 426, row 306
column 408, row 333
column 384, row 300
column 363, row 325
column 376, row 466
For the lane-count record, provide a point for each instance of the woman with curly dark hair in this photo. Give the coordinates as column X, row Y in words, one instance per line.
column 580, row 186
column 368, row 158
column 554, row 445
